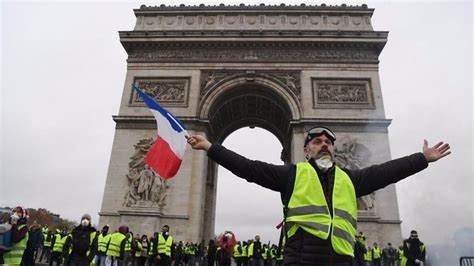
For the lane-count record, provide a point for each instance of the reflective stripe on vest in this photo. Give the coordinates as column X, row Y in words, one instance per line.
column 237, row 253
column 102, row 242
column 128, row 243
column 59, row 243
column 164, row 246
column 114, row 245
column 150, row 251
column 312, row 213
column 14, row 255
column 45, row 242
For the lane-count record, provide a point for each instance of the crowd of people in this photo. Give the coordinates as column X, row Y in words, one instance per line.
column 84, row 245
column 319, row 227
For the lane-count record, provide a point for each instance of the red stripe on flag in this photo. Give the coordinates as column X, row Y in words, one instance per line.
column 162, row 159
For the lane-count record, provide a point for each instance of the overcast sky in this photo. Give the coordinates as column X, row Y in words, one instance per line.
column 62, row 75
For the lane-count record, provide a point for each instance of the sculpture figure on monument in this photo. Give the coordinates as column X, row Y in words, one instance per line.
column 353, row 155
column 145, row 187
column 211, row 79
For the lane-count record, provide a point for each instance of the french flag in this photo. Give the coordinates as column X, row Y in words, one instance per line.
column 166, row 154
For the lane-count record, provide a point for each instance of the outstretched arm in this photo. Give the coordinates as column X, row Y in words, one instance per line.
column 436, row 152
column 274, row 177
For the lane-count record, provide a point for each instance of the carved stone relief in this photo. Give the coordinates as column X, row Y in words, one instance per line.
column 328, row 93
column 288, row 79
column 169, row 91
column 270, row 54
column 145, row 187
column 353, row 155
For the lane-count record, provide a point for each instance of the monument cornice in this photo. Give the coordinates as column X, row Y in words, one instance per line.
column 149, row 122
column 255, row 50
column 254, row 17
column 261, row 34
column 224, row 7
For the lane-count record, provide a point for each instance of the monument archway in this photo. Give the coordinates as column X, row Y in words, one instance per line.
column 220, row 68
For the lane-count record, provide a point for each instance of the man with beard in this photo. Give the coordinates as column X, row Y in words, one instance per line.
column 319, row 198
column 414, row 250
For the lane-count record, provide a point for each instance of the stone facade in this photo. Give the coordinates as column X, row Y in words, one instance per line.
column 220, row 68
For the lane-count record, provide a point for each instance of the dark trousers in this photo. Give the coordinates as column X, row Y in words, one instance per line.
column 55, row 257
column 46, row 252
column 28, row 257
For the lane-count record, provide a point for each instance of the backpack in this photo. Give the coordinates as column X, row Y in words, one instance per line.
column 81, row 242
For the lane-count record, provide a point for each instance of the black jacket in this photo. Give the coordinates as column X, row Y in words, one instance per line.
column 304, row 248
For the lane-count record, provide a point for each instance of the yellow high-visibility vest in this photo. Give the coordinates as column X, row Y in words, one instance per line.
column 102, row 242
column 59, row 243
column 311, row 213
column 164, row 246
column 14, row 255
column 114, row 245
column 237, row 253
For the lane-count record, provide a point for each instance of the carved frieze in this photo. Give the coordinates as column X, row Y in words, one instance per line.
column 290, row 80
column 268, row 54
column 145, row 187
column 342, row 93
column 168, row 91
column 233, row 22
column 353, row 155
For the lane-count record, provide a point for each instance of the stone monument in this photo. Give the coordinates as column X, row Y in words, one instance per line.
column 219, row 68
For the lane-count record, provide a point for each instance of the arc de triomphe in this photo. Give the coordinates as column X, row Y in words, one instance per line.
column 219, row 68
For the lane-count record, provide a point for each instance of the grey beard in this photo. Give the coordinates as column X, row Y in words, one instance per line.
column 325, row 163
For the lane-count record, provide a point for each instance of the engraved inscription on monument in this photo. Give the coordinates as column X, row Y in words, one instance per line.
column 168, row 91
column 342, row 93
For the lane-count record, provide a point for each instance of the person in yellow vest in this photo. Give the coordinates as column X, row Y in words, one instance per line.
column 266, row 255
column 376, row 255
column 145, row 244
column 279, row 256
column 127, row 255
column 102, row 241
column 368, row 256
column 414, row 250
column 245, row 246
column 58, row 243
column 81, row 247
column 153, row 249
column 401, row 257
column 165, row 240
column 273, row 253
column 137, row 249
column 237, row 254
column 19, row 236
column 116, row 247
column 359, row 250
column 319, row 198
column 47, row 245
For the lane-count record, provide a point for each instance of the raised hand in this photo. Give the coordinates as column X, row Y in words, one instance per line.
column 198, row 142
column 436, row 152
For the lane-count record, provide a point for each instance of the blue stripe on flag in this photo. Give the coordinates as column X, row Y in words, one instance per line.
column 152, row 104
